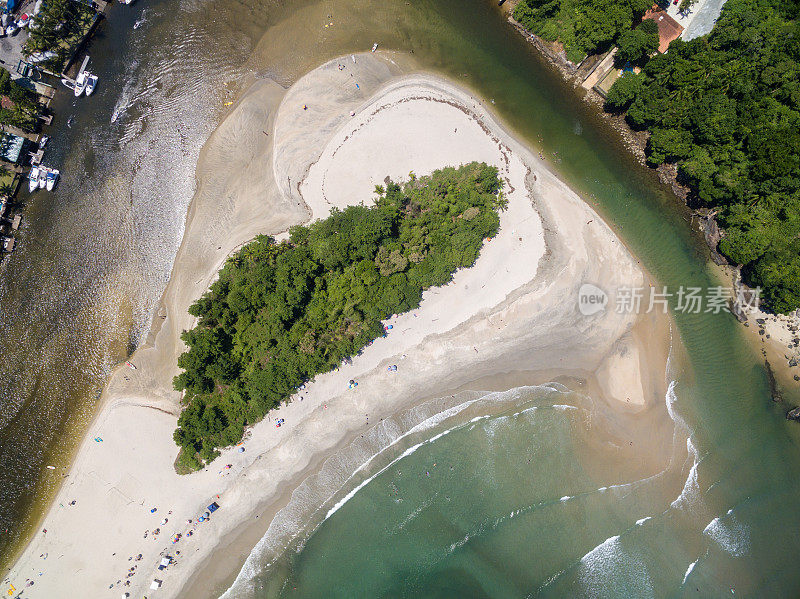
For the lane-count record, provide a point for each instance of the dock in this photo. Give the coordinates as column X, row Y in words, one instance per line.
column 30, row 76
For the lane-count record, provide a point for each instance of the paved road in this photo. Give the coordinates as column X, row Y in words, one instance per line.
column 706, row 14
column 10, row 49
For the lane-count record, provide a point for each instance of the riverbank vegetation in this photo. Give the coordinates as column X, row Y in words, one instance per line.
column 59, row 27
column 723, row 108
column 581, row 26
column 19, row 106
column 281, row 313
column 726, row 109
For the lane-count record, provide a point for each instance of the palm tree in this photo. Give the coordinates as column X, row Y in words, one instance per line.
column 6, row 190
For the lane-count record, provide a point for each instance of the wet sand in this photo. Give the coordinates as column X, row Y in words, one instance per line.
column 272, row 164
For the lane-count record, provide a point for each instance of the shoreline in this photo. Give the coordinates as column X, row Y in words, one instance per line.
column 778, row 328
column 221, row 569
column 229, row 208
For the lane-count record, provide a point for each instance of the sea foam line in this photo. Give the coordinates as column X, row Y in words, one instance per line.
column 426, row 425
column 251, row 567
column 365, row 482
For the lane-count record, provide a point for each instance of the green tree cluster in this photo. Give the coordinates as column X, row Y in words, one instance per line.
column 281, row 313
column 638, row 44
column 582, row 26
column 726, row 108
column 58, row 27
column 26, row 104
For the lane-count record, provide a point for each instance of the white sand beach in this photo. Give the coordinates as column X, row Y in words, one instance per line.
column 271, row 164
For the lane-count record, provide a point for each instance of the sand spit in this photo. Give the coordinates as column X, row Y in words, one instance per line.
column 269, row 165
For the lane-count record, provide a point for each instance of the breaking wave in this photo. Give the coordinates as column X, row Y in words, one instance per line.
column 730, row 534
column 291, row 524
column 609, row 570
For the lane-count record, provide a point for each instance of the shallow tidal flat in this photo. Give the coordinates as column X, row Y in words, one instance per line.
column 283, row 157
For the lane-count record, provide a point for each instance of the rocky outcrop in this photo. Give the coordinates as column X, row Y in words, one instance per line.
column 773, row 386
column 713, row 234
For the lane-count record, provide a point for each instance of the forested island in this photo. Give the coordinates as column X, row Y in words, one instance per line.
column 281, row 313
column 724, row 108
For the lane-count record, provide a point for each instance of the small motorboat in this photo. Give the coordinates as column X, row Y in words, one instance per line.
column 52, row 178
column 11, row 28
column 33, row 184
column 374, row 47
column 43, row 141
column 80, row 83
column 43, row 170
column 91, row 83
column 130, row 365
column 68, row 83
column 38, row 57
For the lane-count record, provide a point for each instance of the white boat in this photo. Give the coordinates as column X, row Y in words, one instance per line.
column 33, row 184
column 68, row 83
column 80, row 83
column 38, row 57
column 52, row 178
column 91, row 83
column 374, row 47
column 12, row 28
column 43, row 141
column 42, row 176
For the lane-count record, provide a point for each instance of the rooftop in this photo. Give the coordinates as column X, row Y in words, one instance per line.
column 668, row 28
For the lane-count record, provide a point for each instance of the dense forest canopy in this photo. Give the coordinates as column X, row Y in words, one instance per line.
column 726, row 109
column 281, row 313
column 583, row 26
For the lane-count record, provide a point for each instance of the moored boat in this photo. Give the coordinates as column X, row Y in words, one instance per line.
column 68, row 83
column 80, row 83
column 91, row 83
column 33, row 185
column 52, row 178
